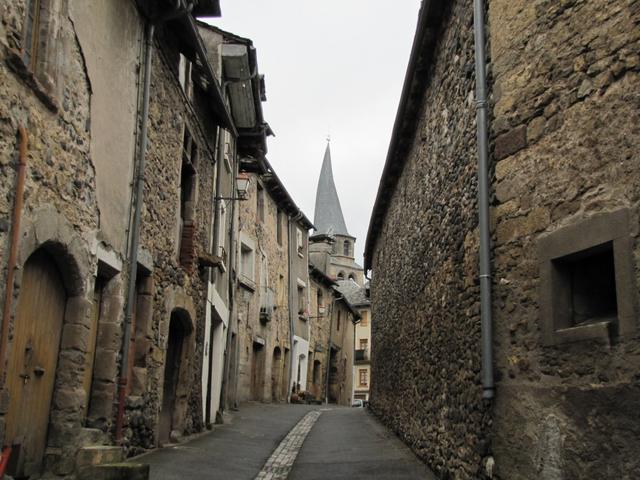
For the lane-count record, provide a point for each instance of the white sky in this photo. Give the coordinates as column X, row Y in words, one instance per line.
column 333, row 66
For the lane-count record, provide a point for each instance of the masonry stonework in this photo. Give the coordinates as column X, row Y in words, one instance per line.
column 564, row 142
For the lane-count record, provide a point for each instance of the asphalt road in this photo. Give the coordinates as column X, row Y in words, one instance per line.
column 234, row 451
column 344, row 443
column 349, row 443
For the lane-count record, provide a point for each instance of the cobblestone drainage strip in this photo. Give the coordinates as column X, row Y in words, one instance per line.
column 281, row 460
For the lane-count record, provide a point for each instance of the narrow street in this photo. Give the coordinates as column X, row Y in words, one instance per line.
column 262, row 441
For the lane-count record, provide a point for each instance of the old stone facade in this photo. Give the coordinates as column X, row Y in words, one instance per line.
column 72, row 112
column 564, row 180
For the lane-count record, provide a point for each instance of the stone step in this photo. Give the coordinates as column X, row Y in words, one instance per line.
column 114, row 471
column 98, row 455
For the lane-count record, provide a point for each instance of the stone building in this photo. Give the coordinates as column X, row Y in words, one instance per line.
column 271, row 298
column 561, row 396
column 358, row 298
column 121, row 148
column 332, row 247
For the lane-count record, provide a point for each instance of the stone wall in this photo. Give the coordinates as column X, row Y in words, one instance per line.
column 174, row 286
column 564, row 80
column 426, row 335
column 319, row 325
column 566, row 116
column 270, row 272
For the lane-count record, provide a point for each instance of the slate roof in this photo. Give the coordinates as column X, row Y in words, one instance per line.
column 328, row 217
column 355, row 294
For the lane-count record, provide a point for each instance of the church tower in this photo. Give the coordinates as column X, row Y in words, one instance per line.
column 331, row 247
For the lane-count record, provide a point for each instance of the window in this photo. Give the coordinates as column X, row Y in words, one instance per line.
column 184, row 75
column 346, row 248
column 338, row 321
column 301, row 300
column 320, row 302
column 279, row 222
column 222, row 231
column 30, row 50
column 363, row 377
column 41, row 45
column 587, row 281
column 364, row 343
column 247, row 262
column 300, row 242
column 364, row 315
column 260, row 204
column 188, row 185
column 341, row 275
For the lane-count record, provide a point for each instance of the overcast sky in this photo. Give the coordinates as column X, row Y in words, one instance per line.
column 331, row 67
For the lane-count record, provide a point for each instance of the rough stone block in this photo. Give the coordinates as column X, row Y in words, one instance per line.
column 138, row 380
column 510, row 142
column 75, row 337
column 98, row 455
column 109, row 336
column 78, row 311
column 105, row 366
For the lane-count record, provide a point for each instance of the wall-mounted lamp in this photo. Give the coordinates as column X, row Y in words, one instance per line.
column 242, row 186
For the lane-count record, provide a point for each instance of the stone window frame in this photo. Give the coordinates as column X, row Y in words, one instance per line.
column 611, row 227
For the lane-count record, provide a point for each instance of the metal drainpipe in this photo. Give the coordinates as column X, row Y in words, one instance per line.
column 231, row 268
column 213, row 275
column 292, row 307
column 13, row 246
column 483, row 201
column 135, row 232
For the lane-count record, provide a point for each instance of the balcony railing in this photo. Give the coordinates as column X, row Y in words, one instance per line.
column 267, row 303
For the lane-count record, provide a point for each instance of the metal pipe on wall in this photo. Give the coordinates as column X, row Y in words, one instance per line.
column 135, row 232
column 13, row 245
column 488, row 386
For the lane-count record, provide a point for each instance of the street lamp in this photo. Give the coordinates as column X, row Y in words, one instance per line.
column 242, row 186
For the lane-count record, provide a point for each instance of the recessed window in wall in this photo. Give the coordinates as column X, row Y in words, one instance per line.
column 188, row 186
column 260, row 203
column 184, row 75
column 279, row 223
column 246, row 262
column 346, row 248
column 587, row 281
column 341, row 275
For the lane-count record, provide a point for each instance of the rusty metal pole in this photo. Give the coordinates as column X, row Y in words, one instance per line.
column 13, row 247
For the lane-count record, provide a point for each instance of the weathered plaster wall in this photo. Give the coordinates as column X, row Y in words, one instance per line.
column 110, row 35
column 567, row 143
column 426, row 334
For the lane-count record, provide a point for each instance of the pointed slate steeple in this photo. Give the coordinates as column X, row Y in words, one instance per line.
column 328, row 214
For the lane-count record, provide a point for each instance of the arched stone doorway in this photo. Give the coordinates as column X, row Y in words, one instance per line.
column 276, row 375
column 33, row 361
column 258, row 371
column 176, row 378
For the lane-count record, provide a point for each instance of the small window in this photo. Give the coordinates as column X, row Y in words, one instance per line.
column 341, row 275
column 301, row 300
column 184, row 75
column 260, row 204
column 346, row 248
column 363, row 377
column 338, row 321
column 279, row 225
column 364, row 343
column 587, row 281
column 320, row 302
column 246, row 262
column 300, row 242
column 188, row 185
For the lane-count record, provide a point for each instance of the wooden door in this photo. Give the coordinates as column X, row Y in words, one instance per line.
column 33, row 360
column 171, row 378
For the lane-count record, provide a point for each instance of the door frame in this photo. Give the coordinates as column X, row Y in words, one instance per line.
column 49, row 230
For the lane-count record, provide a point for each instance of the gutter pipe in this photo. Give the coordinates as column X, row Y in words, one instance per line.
column 488, row 387
column 135, row 232
column 13, row 246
